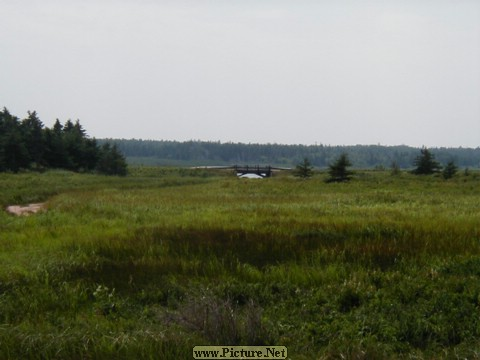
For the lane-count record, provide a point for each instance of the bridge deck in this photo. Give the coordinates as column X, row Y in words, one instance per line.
column 263, row 171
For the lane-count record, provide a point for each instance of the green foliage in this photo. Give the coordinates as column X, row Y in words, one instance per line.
column 111, row 161
column 13, row 152
column 27, row 144
column 304, row 169
column 395, row 169
column 338, row 170
column 156, row 262
column 450, row 170
column 425, row 163
column 33, row 137
column 197, row 153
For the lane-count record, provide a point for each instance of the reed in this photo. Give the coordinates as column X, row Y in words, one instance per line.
column 381, row 267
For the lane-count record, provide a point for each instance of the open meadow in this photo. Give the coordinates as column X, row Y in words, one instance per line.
column 149, row 265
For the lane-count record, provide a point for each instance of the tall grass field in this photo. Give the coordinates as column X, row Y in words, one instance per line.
column 150, row 265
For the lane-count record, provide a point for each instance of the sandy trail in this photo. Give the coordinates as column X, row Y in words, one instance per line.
column 25, row 210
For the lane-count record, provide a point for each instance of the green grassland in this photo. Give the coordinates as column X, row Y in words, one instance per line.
column 150, row 265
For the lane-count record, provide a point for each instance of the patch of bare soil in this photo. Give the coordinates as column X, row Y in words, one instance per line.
column 25, row 210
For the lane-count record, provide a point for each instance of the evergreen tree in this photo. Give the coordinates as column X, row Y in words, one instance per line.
column 3, row 114
column 82, row 152
column 304, row 169
column 91, row 154
column 72, row 138
column 27, row 143
column 56, row 155
column 32, row 131
column 58, row 127
column 425, row 163
column 450, row 170
column 338, row 170
column 13, row 152
column 111, row 161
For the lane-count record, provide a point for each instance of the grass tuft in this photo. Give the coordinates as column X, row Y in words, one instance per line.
column 152, row 264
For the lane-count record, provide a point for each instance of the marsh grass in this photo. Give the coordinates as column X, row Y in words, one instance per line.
column 150, row 265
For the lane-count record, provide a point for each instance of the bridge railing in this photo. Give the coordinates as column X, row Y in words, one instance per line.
column 264, row 171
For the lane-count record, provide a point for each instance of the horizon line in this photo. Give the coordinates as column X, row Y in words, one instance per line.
column 296, row 144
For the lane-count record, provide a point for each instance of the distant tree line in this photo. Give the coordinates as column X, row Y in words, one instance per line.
column 28, row 144
column 320, row 156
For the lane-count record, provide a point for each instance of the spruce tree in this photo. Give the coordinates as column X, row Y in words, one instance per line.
column 304, row 169
column 425, row 163
column 450, row 170
column 56, row 155
column 338, row 170
column 13, row 151
column 27, row 143
column 32, row 130
column 111, row 161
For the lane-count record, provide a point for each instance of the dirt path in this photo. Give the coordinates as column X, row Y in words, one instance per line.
column 25, row 210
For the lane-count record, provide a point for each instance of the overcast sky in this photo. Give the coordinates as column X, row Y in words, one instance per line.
column 256, row 71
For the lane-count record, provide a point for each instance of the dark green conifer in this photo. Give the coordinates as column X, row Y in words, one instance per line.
column 111, row 161
column 425, row 163
column 304, row 169
column 450, row 170
column 338, row 170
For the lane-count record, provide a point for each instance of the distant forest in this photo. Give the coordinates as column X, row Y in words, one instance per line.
column 28, row 145
column 195, row 153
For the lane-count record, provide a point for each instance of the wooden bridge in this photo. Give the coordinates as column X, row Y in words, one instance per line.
column 263, row 171
column 241, row 170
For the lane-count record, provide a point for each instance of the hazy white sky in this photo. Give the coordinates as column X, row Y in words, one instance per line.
column 278, row 71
